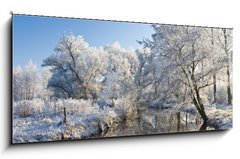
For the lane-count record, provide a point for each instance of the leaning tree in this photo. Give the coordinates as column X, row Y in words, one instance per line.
column 181, row 50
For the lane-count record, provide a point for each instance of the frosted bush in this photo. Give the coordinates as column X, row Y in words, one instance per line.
column 110, row 115
column 28, row 107
column 126, row 108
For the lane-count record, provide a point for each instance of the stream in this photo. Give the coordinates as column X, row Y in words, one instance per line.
column 154, row 121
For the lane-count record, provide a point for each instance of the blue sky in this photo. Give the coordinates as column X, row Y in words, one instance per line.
column 36, row 37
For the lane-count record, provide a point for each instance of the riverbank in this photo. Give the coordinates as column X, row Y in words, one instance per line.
column 36, row 121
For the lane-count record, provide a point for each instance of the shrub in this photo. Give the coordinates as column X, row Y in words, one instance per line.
column 27, row 108
column 126, row 108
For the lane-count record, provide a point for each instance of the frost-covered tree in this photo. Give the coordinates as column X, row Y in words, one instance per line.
column 221, row 80
column 179, row 52
column 122, row 65
column 30, row 80
column 27, row 82
column 224, row 42
column 141, row 80
column 17, row 83
column 75, row 67
column 42, row 89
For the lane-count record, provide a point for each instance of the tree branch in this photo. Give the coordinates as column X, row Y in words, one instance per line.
column 208, row 84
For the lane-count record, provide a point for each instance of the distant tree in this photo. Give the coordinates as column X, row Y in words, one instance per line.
column 214, row 75
column 25, row 82
column 42, row 90
column 17, row 83
column 122, row 65
column 221, row 55
column 224, row 41
column 30, row 80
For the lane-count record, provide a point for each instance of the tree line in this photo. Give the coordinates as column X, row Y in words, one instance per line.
column 179, row 64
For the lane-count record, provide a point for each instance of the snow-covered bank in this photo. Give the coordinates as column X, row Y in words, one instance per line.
column 82, row 120
column 220, row 116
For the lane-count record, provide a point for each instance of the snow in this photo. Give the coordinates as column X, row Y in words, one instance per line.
column 82, row 121
column 220, row 116
column 45, row 120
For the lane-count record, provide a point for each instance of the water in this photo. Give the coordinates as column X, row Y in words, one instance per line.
column 152, row 121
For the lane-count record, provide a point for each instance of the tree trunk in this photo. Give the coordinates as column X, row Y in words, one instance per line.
column 155, row 90
column 203, row 127
column 178, row 121
column 228, row 87
column 214, row 75
column 200, row 111
column 65, row 116
column 203, row 115
column 85, row 93
column 199, row 105
column 214, row 88
column 228, row 67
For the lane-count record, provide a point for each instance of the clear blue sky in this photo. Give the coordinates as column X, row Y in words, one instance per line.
column 36, row 37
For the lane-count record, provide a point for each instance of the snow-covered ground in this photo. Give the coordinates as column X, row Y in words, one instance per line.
column 82, row 120
column 220, row 116
column 39, row 121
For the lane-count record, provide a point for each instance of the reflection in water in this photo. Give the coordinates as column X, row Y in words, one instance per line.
column 154, row 121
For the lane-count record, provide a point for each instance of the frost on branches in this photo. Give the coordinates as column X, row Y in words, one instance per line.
column 180, row 80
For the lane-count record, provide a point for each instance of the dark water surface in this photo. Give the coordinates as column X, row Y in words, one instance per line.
column 153, row 121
